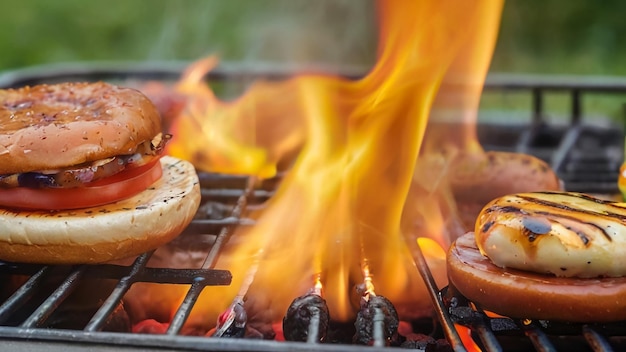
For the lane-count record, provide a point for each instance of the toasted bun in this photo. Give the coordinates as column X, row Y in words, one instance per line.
column 479, row 179
column 48, row 127
column 99, row 234
column 520, row 294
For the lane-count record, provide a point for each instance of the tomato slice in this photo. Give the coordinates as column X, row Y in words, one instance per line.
column 120, row 186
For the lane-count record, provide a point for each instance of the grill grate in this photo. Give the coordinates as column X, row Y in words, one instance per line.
column 586, row 156
column 237, row 194
column 505, row 334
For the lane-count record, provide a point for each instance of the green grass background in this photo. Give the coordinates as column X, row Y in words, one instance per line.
column 537, row 36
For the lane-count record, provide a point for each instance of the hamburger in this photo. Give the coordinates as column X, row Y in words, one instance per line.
column 83, row 178
column 547, row 255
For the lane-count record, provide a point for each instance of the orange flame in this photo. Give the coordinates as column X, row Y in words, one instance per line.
column 357, row 143
column 250, row 135
column 466, row 338
column 318, row 287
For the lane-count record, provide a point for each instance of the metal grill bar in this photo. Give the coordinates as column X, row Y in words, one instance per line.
column 537, row 337
column 448, row 325
column 108, row 341
column 112, row 271
column 97, row 321
column 242, row 201
column 487, row 337
column 196, row 288
column 494, row 334
column 596, row 340
column 185, row 307
column 22, row 294
column 54, row 300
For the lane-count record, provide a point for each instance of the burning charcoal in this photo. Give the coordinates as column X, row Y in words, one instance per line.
column 376, row 319
column 419, row 342
column 118, row 320
column 259, row 330
column 260, row 318
column 426, row 343
column 306, row 315
column 249, row 333
column 150, row 326
column 442, row 345
column 232, row 323
column 77, row 310
column 340, row 332
column 193, row 330
column 75, row 315
column 252, row 333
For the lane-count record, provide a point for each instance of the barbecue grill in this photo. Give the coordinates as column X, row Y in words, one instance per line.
column 585, row 154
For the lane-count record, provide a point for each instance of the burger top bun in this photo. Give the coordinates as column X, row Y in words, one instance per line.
column 103, row 233
column 46, row 127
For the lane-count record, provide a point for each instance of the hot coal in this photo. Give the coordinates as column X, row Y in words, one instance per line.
column 377, row 320
column 150, row 326
column 307, row 314
column 235, row 322
column 232, row 323
column 118, row 320
column 259, row 328
column 426, row 343
column 75, row 315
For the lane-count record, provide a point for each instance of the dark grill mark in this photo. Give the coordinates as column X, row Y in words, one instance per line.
column 582, row 236
column 487, row 226
column 531, row 235
column 506, row 209
column 610, row 204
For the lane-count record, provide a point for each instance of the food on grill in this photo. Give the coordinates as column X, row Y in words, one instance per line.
column 564, row 234
column 302, row 312
column 479, row 179
column 553, row 256
column 377, row 319
column 82, row 179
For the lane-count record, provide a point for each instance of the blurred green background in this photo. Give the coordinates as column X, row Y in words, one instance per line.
column 537, row 36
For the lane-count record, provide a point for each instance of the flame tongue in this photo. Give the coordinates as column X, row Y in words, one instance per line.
column 342, row 200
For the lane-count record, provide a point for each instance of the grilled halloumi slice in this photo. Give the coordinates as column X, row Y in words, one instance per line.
column 565, row 234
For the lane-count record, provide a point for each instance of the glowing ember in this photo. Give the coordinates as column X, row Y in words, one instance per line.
column 318, row 288
column 466, row 337
column 357, row 143
column 368, row 281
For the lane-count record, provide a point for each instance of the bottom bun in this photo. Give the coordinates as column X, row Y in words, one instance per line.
column 104, row 233
column 519, row 294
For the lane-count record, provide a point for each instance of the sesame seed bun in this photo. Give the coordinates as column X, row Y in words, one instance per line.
column 47, row 127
